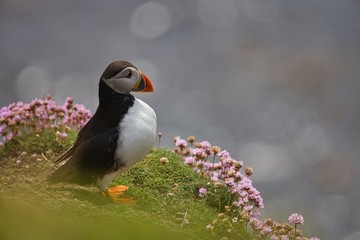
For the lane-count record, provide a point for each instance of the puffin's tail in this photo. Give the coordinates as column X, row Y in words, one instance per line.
column 62, row 174
column 70, row 174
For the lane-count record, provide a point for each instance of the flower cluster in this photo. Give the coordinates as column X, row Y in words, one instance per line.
column 21, row 118
column 224, row 171
column 217, row 165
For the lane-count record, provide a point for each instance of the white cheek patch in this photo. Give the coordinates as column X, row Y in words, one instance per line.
column 121, row 83
column 118, row 85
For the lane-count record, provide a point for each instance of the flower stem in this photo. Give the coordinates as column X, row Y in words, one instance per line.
column 212, row 169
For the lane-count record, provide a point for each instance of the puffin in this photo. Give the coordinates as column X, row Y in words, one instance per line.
column 120, row 133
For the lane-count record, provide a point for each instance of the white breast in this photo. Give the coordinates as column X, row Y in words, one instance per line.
column 137, row 133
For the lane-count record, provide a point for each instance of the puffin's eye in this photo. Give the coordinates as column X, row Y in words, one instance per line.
column 129, row 74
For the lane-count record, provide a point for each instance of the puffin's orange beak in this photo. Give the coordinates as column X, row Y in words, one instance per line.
column 144, row 85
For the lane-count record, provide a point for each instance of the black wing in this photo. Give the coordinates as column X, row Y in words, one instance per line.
column 70, row 151
column 89, row 158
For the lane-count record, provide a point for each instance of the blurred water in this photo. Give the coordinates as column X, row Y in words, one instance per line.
column 274, row 82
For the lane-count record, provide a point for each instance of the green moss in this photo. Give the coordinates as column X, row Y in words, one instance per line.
column 38, row 143
column 167, row 203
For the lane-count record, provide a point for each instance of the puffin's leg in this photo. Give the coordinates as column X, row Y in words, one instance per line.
column 115, row 194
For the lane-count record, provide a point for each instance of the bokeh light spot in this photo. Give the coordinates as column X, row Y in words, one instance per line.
column 270, row 162
column 313, row 139
column 260, row 10
column 151, row 20
column 75, row 87
column 32, row 82
column 334, row 212
column 217, row 14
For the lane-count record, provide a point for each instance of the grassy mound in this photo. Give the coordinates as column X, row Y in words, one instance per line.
column 166, row 193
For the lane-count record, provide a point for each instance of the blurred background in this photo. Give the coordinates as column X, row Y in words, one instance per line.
column 274, row 82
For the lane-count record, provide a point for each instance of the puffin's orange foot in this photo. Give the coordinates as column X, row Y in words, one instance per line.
column 117, row 190
column 116, row 194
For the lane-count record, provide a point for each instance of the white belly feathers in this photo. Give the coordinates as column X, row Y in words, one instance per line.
column 137, row 133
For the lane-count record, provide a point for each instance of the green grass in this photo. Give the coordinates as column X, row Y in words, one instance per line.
column 167, row 203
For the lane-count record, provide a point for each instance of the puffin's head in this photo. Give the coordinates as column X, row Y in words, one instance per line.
column 123, row 77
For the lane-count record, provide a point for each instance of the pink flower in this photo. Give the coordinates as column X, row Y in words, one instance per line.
column 202, row 192
column 207, row 166
column 296, row 218
column 215, row 176
column 238, row 203
column 224, row 154
column 314, row 238
column 180, row 143
column 229, row 182
column 61, row 134
column 248, row 207
column 5, row 112
column 256, row 223
column 207, row 147
column 198, row 152
column 254, row 213
column 189, row 160
column 226, row 162
column 265, row 230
